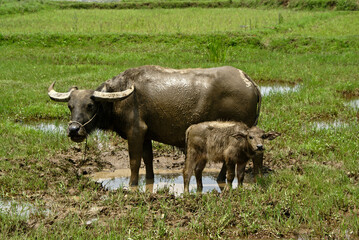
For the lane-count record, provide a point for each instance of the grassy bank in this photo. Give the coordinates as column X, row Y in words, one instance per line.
column 151, row 4
column 31, row 6
column 312, row 191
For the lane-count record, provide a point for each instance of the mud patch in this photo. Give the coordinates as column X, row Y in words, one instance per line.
column 350, row 94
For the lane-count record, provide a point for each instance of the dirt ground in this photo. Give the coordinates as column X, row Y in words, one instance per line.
column 115, row 156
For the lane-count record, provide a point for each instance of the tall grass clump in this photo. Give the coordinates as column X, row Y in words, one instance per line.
column 217, row 50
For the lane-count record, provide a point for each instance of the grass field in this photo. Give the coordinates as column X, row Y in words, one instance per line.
column 313, row 193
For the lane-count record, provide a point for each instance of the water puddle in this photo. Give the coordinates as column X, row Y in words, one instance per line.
column 328, row 125
column 58, row 128
column 171, row 180
column 48, row 127
column 19, row 209
column 274, row 89
column 354, row 104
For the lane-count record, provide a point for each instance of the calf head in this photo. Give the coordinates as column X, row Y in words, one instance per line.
column 255, row 138
column 84, row 106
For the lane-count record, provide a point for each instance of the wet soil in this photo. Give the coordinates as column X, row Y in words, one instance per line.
column 70, row 189
column 116, row 160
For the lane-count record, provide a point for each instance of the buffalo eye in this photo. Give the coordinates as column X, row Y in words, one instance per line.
column 250, row 137
column 90, row 106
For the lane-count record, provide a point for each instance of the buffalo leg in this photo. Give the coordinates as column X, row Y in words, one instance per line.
column 257, row 165
column 135, row 163
column 189, row 165
column 222, row 174
column 135, row 149
column 148, row 158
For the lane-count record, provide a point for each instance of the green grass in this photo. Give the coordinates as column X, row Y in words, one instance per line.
column 182, row 21
column 157, row 21
column 313, row 192
column 348, row 5
column 9, row 7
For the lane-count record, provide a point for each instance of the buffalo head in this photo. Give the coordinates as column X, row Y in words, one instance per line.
column 255, row 138
column 85, row 106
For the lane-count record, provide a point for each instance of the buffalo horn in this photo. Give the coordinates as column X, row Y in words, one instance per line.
column 113, row 96
column 59, row 97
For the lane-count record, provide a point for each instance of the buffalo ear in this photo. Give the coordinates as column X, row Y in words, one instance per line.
column 271, row 135
column 240, row 134
column 73, row 88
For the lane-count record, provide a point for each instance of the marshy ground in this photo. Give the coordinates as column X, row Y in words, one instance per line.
column 308, row 49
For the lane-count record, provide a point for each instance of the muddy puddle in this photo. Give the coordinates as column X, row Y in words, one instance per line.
column 275, row 89
column 22, row 210
column 171, row 180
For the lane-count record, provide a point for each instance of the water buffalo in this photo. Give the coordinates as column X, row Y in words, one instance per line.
column 230, row 142
column 155, row 103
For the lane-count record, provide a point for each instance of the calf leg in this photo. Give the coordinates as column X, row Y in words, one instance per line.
column 240, row 172
column 190, row 164
column 148, row 158
column 222, row 174
column 230, row 174
column 257, row 165
column 198, row 172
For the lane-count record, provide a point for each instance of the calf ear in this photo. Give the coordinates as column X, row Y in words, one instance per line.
column 240, row 134
column 271, row 135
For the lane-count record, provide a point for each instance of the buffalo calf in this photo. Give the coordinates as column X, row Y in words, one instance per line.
column 229, row 142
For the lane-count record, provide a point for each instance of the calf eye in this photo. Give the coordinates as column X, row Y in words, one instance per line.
column 90, row 106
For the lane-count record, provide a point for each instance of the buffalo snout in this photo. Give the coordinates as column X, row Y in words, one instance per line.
column 260, row 147
column 76, row 132
column 73, row 129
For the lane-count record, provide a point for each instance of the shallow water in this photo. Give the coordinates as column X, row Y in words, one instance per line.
column 329, row 125
column 171, row 180
column 354, row 104
column 274, row 89
column 14, row 208
column 48, row 127
column 58, row 128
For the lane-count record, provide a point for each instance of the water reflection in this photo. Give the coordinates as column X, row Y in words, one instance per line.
column 273, row 89
column 171, row 181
